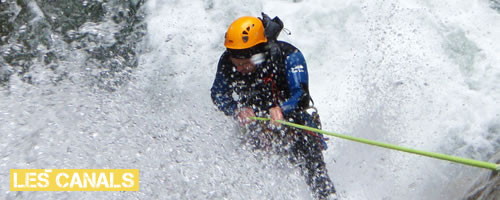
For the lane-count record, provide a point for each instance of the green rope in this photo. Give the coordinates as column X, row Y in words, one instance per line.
column 470, row 162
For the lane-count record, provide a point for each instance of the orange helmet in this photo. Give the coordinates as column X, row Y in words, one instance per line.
column 245, row 32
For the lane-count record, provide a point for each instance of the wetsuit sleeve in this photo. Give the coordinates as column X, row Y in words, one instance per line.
column 297, row 77
column 221, row 93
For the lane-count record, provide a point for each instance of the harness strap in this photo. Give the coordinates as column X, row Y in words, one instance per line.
column 319, row 136
column 274, row 87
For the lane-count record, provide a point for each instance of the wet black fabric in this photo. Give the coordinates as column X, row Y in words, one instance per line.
column 306, row 153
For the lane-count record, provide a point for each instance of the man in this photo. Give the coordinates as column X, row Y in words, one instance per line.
column 258, row 75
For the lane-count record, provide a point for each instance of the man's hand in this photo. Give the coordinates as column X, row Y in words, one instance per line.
column 243, row 115
column 276, row 114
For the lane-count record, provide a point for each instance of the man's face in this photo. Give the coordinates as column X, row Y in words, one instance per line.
column 243, row 65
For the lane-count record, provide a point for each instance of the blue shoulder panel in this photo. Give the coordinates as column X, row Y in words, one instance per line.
column 296, row 68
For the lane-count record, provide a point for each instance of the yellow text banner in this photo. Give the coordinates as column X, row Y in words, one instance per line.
column 74, row 179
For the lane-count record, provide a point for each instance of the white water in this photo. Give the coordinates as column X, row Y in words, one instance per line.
column 420, row 74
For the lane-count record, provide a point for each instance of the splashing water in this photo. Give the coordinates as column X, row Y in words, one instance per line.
column 113, row 84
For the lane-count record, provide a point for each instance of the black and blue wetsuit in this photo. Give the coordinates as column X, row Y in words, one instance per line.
column 232, row 90
column 281, row 80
